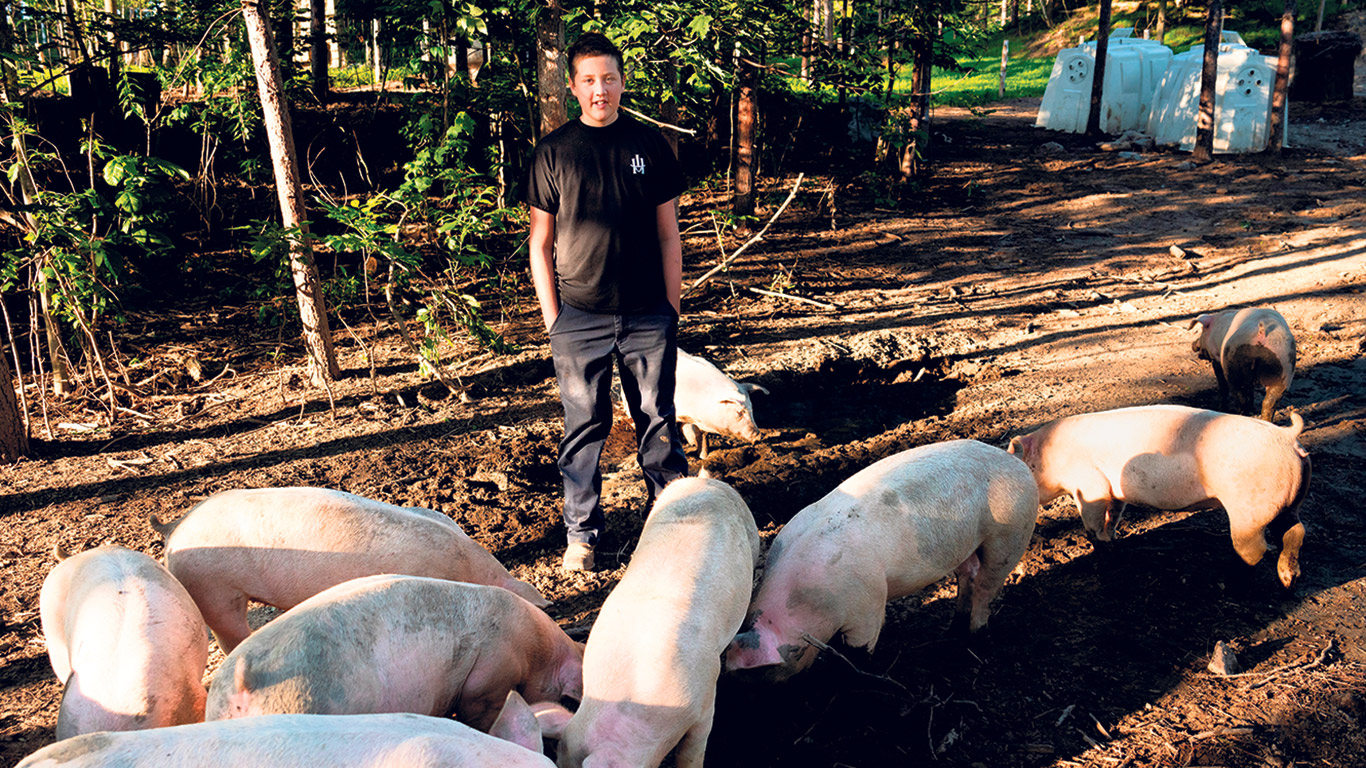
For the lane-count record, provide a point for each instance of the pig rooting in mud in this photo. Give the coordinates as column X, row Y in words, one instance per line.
column 126, row 641
column 958, row 507
column 400, row 644
column 650, row 668
column 281, row 546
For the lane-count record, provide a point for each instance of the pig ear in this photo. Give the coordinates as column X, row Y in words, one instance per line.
column 551, row 718
column 751, row 388
column 517, row 723
column 1203, row 320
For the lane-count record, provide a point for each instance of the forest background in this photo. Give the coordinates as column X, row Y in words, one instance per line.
column 139, row 154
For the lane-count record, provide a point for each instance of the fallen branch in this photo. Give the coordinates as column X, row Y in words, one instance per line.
column 825, row 647
column 670, row 126
column 790, row 297
column 756, row 238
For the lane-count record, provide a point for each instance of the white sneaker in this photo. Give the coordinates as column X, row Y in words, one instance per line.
column 578, row 556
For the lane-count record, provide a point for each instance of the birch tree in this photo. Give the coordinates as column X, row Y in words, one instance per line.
column 322, row 359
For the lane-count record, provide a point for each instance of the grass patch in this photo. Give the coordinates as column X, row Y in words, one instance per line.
column 980, row 81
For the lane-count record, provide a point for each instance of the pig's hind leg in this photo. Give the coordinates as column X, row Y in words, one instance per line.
column 693, row 747
column 981, row 577
column 225, row 611
column 966, row 574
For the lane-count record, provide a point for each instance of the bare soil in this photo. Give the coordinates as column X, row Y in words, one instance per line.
column 1009, row 287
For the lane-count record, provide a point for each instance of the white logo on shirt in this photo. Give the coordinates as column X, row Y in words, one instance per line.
column 638, row 165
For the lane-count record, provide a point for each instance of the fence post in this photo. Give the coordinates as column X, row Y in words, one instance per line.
column 1005, row 56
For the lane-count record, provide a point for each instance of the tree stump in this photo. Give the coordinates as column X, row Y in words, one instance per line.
column 1323, row 65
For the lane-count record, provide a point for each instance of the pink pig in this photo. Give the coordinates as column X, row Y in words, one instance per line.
column 281, row 546
column 125, row 639
column 400, row 644
column 650, row 668
column 1247, row 347
column 1176, row 458
column 708, row 401
column 905, row 522
column 310, row 741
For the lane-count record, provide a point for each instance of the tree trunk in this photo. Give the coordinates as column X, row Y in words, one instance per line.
column 922, row 62
column 806, row 41
column 377, row 60
column 284, row 24
column 1093, row 126
column 111, row 10
column 550, row 67
column 13, row 430
column 462, row 58
column 1204, row 126
column 279, row 134
column 1161, row 20
column 320, row 53
column 746, row 113
column 28, row 195
column 1276, row 121
column 668, row 110
column 828, row 20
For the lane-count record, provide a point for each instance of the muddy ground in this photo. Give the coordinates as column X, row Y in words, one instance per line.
column 1010, row 287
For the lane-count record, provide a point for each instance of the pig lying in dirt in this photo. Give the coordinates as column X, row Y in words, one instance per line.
column 400, row 644
column 650, row 668
column 959, row 507
column 281, row 546
column 1247, row 347
column 1176, row 458
column 125, row 639
column 311, row 741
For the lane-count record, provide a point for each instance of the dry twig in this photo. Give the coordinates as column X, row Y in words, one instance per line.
column 790, row 297
column 826, row 648
column 756, row 238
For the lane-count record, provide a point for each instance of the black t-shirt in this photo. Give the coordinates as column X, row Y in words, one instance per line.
column 603, row 186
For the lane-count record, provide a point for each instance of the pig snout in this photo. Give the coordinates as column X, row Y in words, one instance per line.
column 757, row 649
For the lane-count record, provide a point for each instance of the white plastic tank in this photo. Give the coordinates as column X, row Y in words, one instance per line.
column 1242, row 98
column 1133, row 67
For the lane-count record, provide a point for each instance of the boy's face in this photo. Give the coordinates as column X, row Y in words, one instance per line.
column 597, row 85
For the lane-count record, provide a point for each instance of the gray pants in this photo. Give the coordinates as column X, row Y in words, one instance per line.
column 645, row 349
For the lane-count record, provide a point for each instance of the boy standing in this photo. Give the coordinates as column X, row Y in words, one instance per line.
column 607, row 263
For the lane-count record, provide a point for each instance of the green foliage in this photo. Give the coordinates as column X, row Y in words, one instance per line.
column 82, row 243
column 455, row 203
column 270, row 244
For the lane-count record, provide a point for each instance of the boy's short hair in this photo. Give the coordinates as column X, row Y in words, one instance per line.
column 593, row 44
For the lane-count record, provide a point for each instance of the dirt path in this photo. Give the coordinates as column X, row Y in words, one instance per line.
column 1009, row 288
